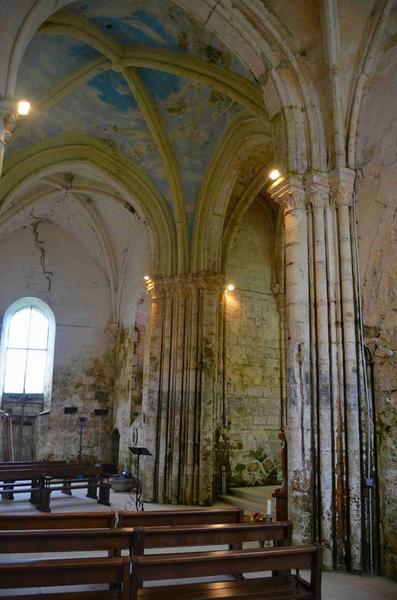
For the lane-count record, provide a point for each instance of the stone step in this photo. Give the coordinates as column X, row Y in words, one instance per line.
column 251, row 500
column 254, row 494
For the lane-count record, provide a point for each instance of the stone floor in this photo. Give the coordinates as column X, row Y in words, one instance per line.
column 336, row 586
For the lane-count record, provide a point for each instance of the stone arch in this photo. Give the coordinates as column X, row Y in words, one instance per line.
column 242, row 136
column 128, row 181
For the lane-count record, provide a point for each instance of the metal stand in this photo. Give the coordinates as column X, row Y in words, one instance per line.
column 138, row 451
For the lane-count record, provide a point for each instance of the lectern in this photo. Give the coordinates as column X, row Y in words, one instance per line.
column 139, row 451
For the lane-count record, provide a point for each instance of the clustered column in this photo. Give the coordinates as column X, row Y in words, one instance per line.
column 183, row 386
column 289, row 191
column 323, row 413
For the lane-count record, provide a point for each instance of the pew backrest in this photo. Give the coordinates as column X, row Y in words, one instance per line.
column 56, row 471
column 71, row 540
column 114, row 571
column 208, row 535
column 155, row 518
column 87, row 520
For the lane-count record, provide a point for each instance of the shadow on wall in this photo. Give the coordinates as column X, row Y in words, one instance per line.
column 115, row 447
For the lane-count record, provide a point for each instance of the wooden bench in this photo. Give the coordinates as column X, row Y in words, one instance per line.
column 154, row 518
column 206, row 564
column 137, row 540
column 83, row 571
column 7, row 492
column 47, row 477
column 86, row 520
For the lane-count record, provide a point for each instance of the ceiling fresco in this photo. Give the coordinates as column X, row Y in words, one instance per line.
column 159, row 24
column 193, row 116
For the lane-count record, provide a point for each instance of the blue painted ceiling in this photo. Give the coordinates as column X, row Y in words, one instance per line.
column 193, row 115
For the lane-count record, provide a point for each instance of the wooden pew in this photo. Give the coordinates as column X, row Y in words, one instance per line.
column 206, row 564
column 47, row 477
column 208, row 535
column 138, row 540
column 154, row 518
column 43, row 573
column 86, row 520
column 10, row 465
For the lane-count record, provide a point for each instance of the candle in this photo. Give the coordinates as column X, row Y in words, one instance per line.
column 269, row 508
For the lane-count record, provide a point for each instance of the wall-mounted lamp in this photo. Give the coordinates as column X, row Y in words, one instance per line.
column 23, row 108
column 230, row 287
column 7, row 124
column 146, row 277
column 274, row 174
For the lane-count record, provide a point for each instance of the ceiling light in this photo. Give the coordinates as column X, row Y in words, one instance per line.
column 23, row 108
column 230, row 287
column 274, row 174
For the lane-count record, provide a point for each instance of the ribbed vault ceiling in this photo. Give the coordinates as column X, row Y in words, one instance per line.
column 151, row 83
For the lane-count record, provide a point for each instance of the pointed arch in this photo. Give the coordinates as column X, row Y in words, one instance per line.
column 131, row 184
column 244, row 133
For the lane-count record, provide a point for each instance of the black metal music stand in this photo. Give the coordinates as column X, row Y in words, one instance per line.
column 139, row 451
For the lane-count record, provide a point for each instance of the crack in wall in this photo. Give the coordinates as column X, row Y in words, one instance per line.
column 42, row 250
column 211, row 12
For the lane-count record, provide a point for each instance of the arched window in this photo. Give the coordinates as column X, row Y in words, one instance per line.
column 27, row 348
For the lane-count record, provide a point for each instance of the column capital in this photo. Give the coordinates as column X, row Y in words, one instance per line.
column 342, row 185
column 8, row 118
column 288, row 191
column 205, row 281
column 317, row 189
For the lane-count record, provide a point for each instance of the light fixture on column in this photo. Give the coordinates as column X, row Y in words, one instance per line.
column 23, row 108
column 8, row 119
column 146, row 277
column 230, row 287
column 274, row 174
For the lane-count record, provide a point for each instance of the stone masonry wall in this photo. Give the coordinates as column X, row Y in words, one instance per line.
column 377, row 227
column 252, row 354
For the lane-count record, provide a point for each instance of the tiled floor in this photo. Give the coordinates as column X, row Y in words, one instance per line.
column 336, row 586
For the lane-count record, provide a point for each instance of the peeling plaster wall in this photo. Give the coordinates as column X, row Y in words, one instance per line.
column 252, row 354
column 42, row 260
column 129, row 346
column 377, row 228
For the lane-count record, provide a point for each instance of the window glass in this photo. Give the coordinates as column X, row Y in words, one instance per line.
column 19, row 329
column 26, row 352
column 35, row 371
column 38, row 332
column 15, row 371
